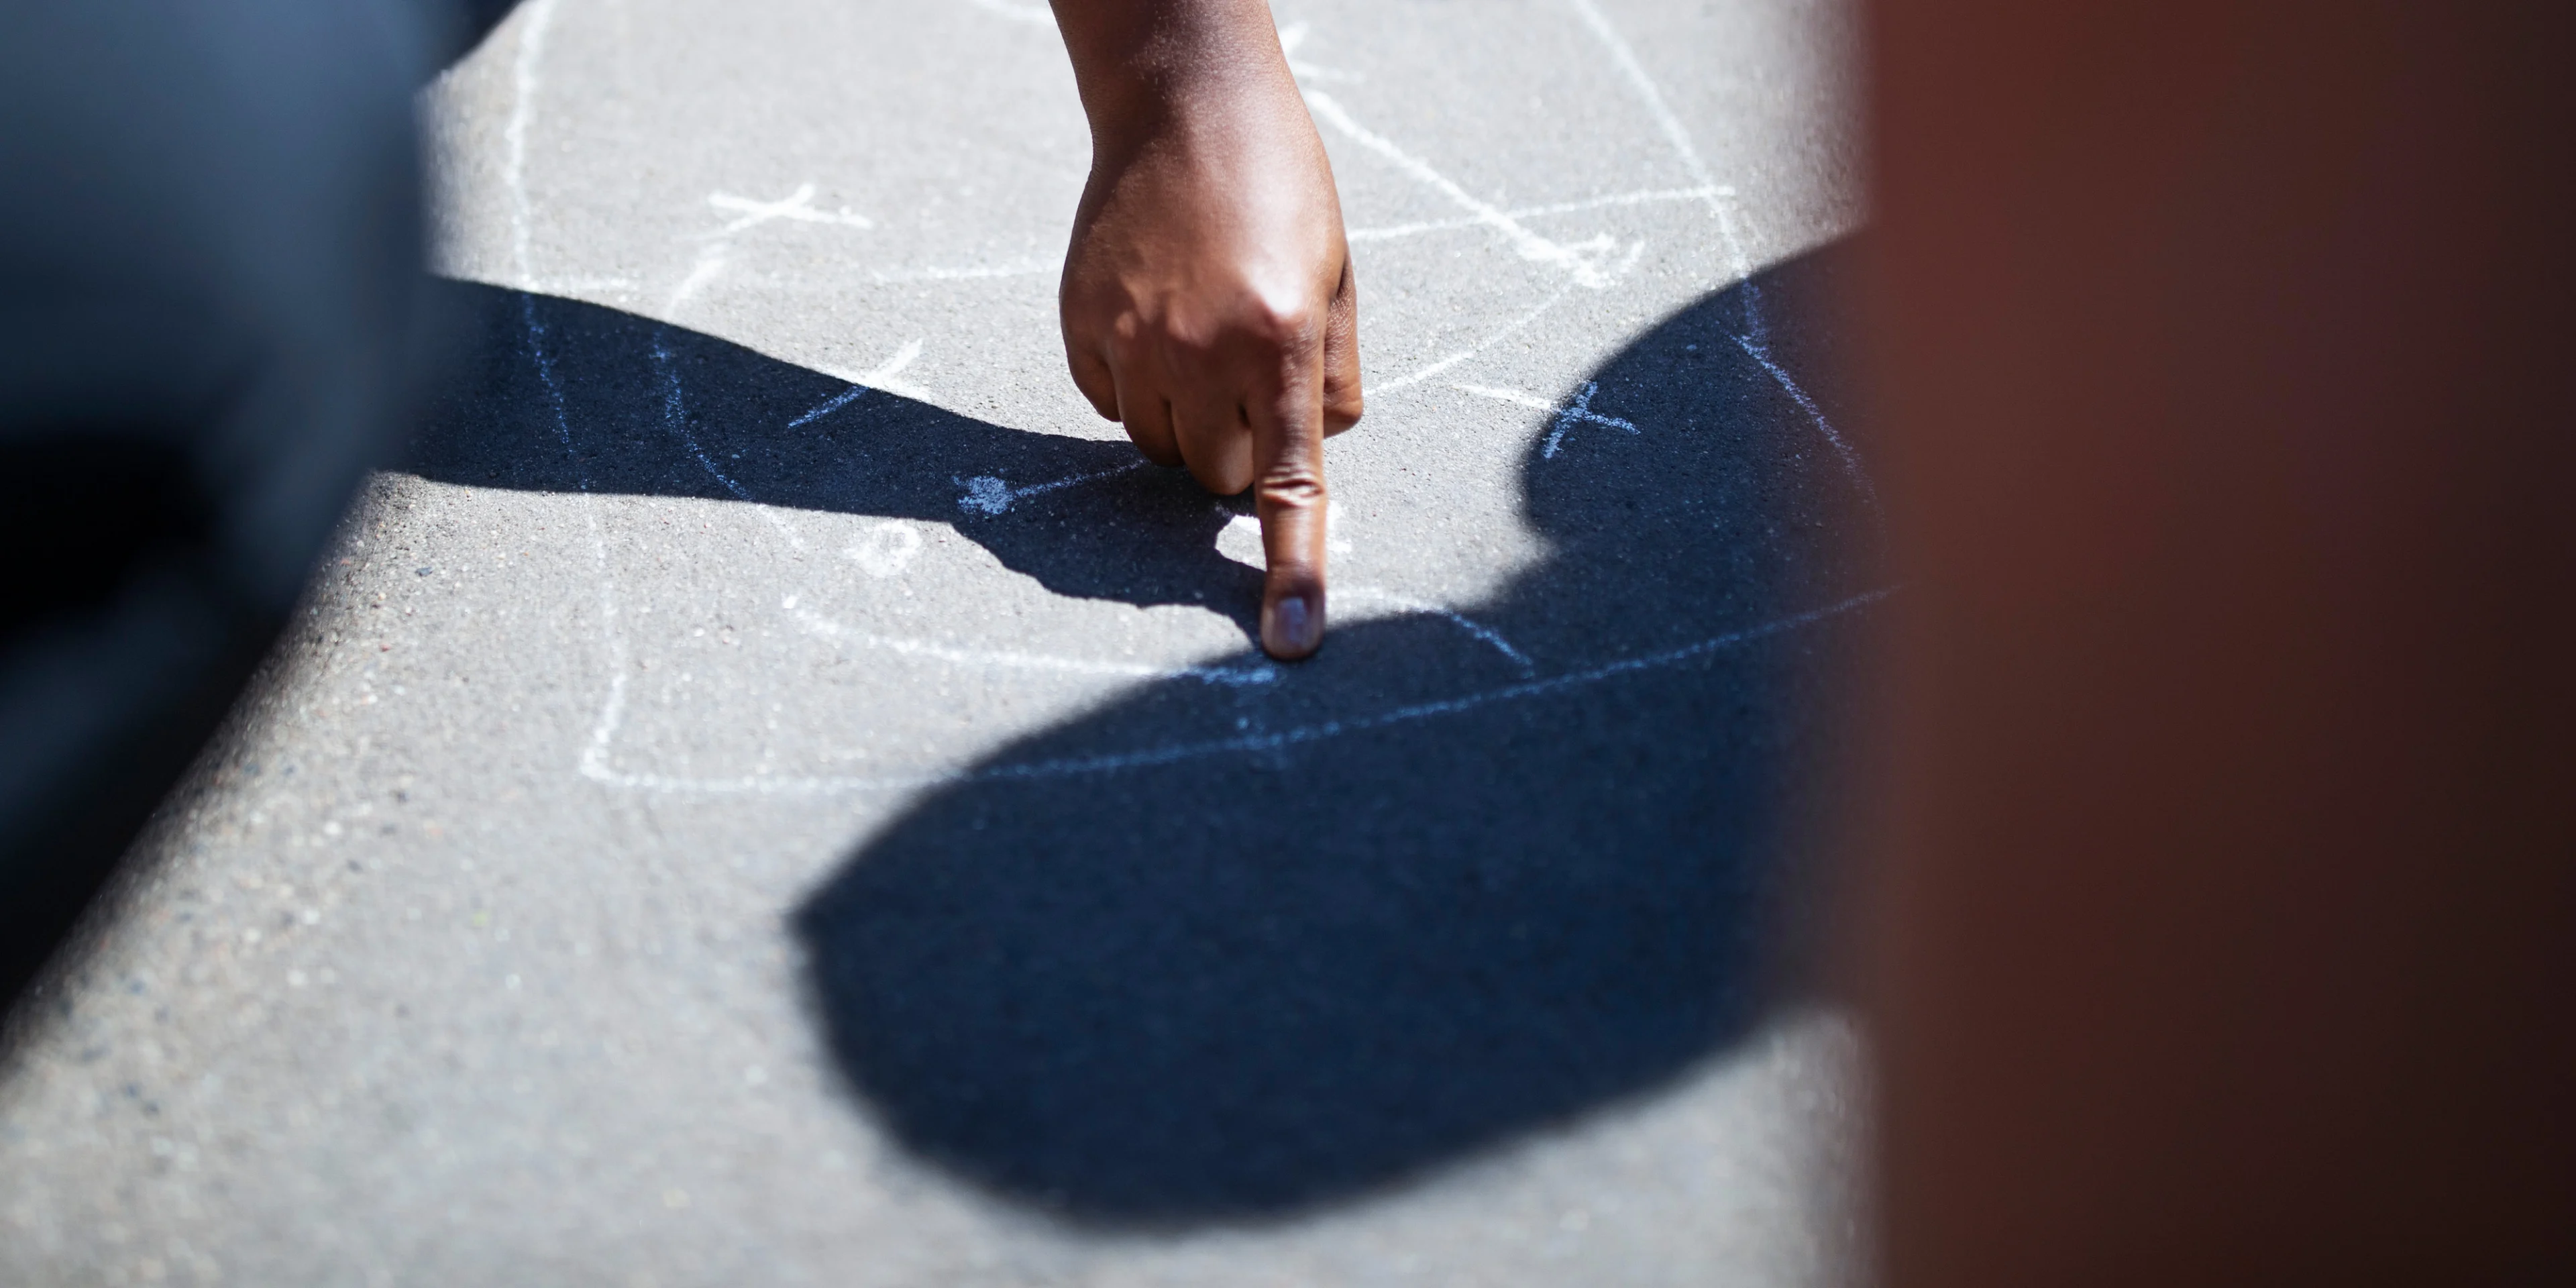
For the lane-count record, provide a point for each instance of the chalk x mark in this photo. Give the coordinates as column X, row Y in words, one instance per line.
column 1367, row 594
column 1569, row 413
column 797, row 206
column 884, row 378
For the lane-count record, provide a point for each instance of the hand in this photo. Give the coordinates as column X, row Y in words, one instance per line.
column 1207, row 297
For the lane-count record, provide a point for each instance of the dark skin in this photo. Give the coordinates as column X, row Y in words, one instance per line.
column 1207, row 301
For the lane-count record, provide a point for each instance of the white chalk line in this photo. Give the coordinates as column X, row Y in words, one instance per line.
column 1576, row 259
column 797, row 207
column 884, row 379
column 1293, row 38
column 1512, row 396
column 514, row 136
column 830, row 405
column 1395, row 232
column 1433, row 370
column 887, row 378
column 1789, row 385
column 612, row 711
column 1053, row 267
column 675, row 417
column 1255, row 744
column 711, row 262
column 1567, row 413
column 1344, row 590
column 1579, row 411
column 989, row 494
column 1719, row 198
column 1755, row 340
column 1643, row 197
column 594, row 762
column 825, row 628
column 532, row 35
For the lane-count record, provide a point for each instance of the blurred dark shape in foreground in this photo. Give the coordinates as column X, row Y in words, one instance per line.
column 211, row 304
column 2228, row 903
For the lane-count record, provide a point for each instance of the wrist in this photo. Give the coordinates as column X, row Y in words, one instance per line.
column 1149, row 69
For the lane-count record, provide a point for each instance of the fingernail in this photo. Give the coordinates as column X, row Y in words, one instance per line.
column 1295, row 627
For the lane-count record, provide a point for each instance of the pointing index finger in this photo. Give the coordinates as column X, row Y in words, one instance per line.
column 1291, row 499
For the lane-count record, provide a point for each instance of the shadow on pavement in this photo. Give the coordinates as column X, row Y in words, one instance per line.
column 1225, row 956
column 1227, row 951
column 666, row 411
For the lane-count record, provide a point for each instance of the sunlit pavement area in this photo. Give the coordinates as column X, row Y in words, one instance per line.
column 769, row 790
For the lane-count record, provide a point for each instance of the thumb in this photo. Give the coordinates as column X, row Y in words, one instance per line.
column 1289, row 495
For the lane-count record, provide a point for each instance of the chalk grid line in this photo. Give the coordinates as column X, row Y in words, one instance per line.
column 1247, row 744
column 1755, row 339
column 1054, row 266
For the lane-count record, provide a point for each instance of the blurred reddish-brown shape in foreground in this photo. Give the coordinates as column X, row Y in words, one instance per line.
column 2221, row 925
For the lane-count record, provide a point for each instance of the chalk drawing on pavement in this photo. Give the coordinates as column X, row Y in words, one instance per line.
column 885, row 548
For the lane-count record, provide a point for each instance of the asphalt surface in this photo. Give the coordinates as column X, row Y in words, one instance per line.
column 767, row 790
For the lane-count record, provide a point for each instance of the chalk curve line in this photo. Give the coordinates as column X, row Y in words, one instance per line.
column 598, row 770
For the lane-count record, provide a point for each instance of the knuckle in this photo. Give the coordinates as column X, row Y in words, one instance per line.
column 1179, row 343
column 1293, row 487
column 1128, row 335
column 1187, row 351
column 1284, row 320
column 1344, row 399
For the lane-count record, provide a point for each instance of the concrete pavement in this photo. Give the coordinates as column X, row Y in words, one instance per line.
column 766, row 790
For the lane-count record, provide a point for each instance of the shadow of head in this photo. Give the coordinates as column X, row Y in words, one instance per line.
column 625, row 404
column 1225, row 953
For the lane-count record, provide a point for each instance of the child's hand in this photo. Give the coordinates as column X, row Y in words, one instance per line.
column 1207, row 297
